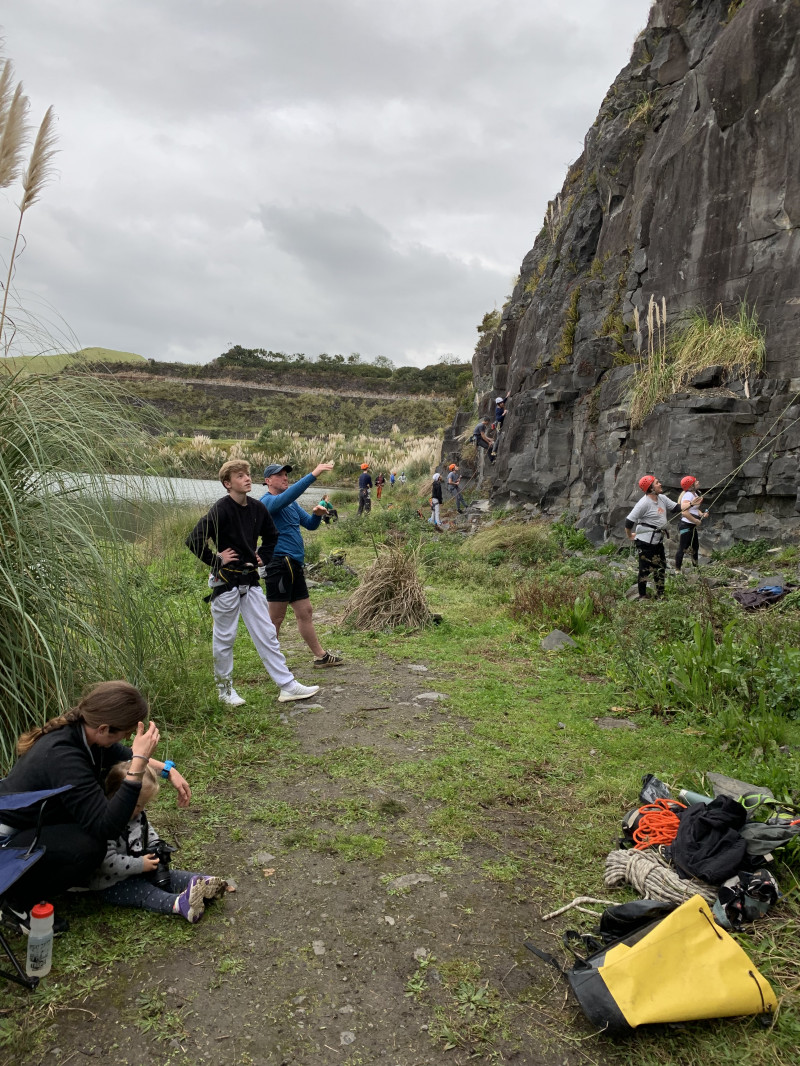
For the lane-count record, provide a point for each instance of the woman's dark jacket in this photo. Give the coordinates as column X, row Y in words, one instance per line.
column 63, row 757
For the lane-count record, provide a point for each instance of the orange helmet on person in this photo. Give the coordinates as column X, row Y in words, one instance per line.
column 687, row 482
column 646, row 483
column 365, row 466
column 452, row 466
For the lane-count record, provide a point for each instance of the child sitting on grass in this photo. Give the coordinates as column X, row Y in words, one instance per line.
column 125, row 877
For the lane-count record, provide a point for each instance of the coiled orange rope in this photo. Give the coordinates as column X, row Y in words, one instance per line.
column 658, row 824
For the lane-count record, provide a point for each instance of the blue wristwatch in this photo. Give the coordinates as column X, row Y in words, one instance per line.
column 168, row 765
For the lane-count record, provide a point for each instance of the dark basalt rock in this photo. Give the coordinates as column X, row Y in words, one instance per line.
column 688, row 188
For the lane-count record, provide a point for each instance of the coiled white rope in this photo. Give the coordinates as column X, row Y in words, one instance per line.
column 648, row 873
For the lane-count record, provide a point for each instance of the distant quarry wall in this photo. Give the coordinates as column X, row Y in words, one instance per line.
column 688, row 190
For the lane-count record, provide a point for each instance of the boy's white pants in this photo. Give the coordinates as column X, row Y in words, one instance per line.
column 252, row 606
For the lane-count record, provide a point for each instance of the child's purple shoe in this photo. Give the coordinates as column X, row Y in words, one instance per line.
column 191, row 902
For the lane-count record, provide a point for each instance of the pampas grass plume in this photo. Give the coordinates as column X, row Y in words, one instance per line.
column 39, row 167
column 12, row 139
column 6, row 80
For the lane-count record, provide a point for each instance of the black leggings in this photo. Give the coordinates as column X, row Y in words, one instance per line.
column 652, row 559
column 688, row 540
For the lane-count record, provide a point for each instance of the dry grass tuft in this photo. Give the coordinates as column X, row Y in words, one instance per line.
column 527, row 543
column 390, row 594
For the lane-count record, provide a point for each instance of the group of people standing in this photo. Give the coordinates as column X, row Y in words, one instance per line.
column 365, row 486
column 647, row 523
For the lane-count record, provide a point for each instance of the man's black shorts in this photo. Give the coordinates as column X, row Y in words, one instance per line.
column 285, row 581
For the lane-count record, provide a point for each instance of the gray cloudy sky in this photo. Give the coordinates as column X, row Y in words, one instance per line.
column 309, row 175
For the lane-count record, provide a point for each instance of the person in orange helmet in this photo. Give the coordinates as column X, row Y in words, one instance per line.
column 454, row 486
column 364, row 490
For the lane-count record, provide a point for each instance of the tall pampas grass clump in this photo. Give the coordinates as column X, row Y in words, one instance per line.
column 76, row 604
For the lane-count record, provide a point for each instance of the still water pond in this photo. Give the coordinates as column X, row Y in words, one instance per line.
column 197, row 491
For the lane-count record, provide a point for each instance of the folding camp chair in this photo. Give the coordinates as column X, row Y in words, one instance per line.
column 14, row 862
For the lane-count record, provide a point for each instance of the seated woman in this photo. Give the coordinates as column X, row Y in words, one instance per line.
column 78, row 748
column 332, row 512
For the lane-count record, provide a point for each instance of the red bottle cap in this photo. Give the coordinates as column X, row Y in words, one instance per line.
column 42, row 910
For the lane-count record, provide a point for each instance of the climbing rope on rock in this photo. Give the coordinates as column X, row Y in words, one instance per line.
column 652, row 877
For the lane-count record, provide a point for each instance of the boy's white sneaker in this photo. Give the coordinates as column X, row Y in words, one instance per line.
column 228, row 694
column 296, row 691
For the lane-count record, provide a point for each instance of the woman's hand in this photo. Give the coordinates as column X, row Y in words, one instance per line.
column 146, row 741
column 181, row 786
column 150, row 863
column 228, row 556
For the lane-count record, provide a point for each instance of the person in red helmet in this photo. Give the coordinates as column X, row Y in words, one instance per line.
column 691, row 517
column 646, row 525
column 454, row 486
column 364, row 488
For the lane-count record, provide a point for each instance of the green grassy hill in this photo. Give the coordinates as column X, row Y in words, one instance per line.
column 52, row 364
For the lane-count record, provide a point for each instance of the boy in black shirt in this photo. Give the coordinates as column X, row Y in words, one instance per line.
column 236, row 524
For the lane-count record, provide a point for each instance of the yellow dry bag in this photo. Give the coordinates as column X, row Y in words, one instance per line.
column 642, row 978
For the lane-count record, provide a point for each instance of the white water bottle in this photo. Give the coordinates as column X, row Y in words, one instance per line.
column 40, row 941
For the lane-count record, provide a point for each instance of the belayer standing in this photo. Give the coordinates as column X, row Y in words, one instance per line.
column 380, row 481
column 436, row 500
column 364, row 488
column 691, row 517
column 454, row 486
column 646, row 525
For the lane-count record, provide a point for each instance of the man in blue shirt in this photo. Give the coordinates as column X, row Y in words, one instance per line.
column 284, row 577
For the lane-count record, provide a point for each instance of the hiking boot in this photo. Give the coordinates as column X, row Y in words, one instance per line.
column 190, row 904
column 20, row 922
column 329, row 659
column 214, row 887
column 296, row 691
column 227, row 694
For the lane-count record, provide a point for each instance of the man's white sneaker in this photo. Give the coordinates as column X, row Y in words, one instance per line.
column 296, row 691
column 228, row 694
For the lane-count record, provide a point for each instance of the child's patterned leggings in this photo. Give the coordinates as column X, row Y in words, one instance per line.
column 139, row 892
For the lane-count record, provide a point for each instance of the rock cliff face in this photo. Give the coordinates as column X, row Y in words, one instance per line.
column 688, row 189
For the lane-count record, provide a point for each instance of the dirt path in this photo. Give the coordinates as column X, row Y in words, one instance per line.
column 317, row 958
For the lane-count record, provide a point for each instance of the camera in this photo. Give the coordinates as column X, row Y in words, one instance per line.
column 161, row 876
